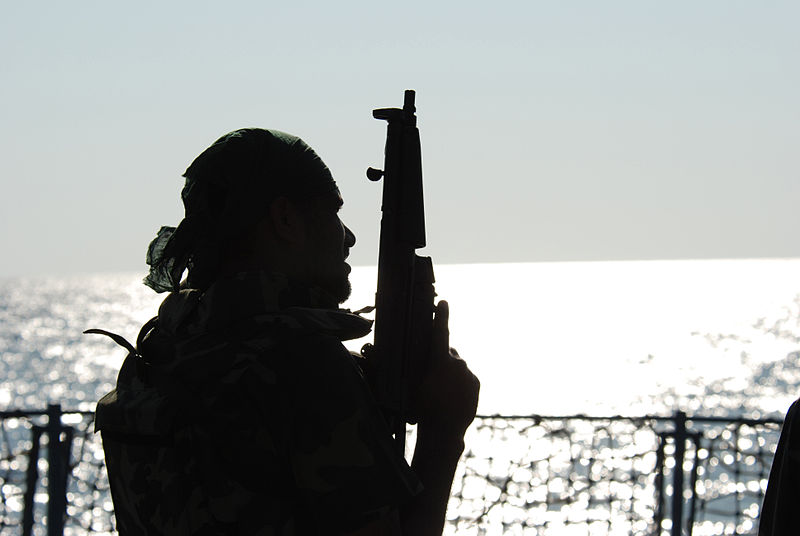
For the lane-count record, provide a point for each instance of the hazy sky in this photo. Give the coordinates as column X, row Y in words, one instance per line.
column 551, row 130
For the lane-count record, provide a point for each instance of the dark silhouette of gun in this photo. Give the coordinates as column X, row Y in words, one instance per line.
column 404, row 299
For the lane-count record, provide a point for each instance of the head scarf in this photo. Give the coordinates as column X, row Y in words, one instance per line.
column 228, row 189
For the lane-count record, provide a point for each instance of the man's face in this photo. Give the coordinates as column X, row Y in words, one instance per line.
column 329, row 243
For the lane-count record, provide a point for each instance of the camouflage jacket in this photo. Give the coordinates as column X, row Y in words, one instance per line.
column 242, row 413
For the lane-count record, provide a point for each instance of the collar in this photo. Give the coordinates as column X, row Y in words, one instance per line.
column 249, row 295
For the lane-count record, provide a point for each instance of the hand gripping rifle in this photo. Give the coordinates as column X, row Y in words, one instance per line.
column 404, row 299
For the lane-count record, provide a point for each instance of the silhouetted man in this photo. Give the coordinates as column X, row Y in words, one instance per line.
column 240, row 411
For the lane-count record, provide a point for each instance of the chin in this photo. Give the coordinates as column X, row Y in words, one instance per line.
column 338, row 288
column 344, row 291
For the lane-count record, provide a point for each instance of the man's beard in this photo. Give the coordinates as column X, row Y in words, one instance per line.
column 338, row 288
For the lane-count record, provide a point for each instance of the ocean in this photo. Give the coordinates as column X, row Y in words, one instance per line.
column 712, row 337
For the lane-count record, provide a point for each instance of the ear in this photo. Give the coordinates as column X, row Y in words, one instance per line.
column 287, row 221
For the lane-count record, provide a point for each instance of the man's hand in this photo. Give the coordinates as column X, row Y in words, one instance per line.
column 444, row 404
column 447, row 398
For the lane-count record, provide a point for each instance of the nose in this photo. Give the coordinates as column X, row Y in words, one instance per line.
column 349, row 237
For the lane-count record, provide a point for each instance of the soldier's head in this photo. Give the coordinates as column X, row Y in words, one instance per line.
column 256, row 200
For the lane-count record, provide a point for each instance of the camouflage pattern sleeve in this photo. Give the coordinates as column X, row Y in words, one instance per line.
column 201, row 459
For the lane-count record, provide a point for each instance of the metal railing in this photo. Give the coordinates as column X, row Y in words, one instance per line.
column 649, row 475
column 532, row 474
column 52, row 475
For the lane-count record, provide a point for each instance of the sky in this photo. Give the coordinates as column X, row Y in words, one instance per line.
column 551, row 131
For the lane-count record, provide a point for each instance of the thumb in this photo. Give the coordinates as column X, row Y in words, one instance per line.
column 440, row 337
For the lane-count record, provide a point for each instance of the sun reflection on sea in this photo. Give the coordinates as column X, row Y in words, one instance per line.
column 621, row 337
column 547, row 338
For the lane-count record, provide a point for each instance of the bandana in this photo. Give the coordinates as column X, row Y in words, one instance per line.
column 228, row 189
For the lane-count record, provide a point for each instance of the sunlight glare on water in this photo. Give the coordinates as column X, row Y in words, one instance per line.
column 547, row 338
column 606, row 337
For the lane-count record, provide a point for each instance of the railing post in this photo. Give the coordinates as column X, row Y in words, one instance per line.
column 31, row 479
column 56, row 473
column 696, row 438
column 677, row 475
column 659, row 516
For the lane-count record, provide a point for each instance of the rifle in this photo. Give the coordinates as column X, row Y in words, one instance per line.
column 404, row 298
